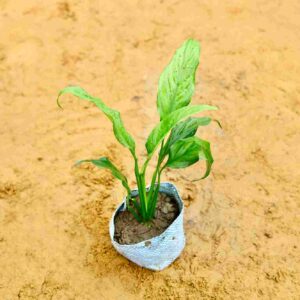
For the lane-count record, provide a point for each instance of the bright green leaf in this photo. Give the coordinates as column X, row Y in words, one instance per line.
column 206, row 155
column 161, row 130
column 185, row 129
column 184, row 153
column 177, row 81
column 105, row 163
column 119, row 130
column 188, row 151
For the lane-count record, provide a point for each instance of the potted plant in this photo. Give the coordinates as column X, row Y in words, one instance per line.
column 147, row 227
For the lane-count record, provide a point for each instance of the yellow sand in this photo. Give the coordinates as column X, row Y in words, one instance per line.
column 242, row 224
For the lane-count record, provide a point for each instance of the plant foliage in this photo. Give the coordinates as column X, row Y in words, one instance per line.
column 180, row 149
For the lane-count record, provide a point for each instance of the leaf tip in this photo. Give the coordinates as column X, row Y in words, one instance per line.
column 218, row 122
column 57, row 100
column 77, row 163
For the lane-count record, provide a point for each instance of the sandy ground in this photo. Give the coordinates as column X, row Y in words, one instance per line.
column 242, row 224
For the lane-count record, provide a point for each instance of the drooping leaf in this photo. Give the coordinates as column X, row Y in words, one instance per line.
column 186, row 152
column 105, row 163
column 118, row 127
column 177, row 81
column 185, row 129
column 161, row 130
column 206, row 155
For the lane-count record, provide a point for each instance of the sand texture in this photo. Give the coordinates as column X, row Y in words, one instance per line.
column 242, row 223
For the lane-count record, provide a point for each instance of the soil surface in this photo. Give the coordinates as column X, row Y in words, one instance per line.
column 242, row 223
column 129, row 231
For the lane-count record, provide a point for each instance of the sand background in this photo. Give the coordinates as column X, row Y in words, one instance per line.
column 242, row 224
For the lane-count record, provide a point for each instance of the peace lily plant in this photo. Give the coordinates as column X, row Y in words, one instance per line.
column 173, row 137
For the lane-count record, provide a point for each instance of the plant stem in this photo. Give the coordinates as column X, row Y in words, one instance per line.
column 146, row 164
column 143, row 191
column 155, row 196
column 152, row 186
column 148, row 202
column 140, row 188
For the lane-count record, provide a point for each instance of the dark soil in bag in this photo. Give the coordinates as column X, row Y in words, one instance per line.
column 129, row 231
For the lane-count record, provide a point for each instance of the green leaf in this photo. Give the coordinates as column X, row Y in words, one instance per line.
column 177, row 81
column 184, row 153
column 104, row 163
column 188, row 151
column 161, row 130
column 118, row 127
column 185, row 129
column 206, row 155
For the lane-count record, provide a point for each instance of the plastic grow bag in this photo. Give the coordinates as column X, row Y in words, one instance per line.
column 158, row 252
